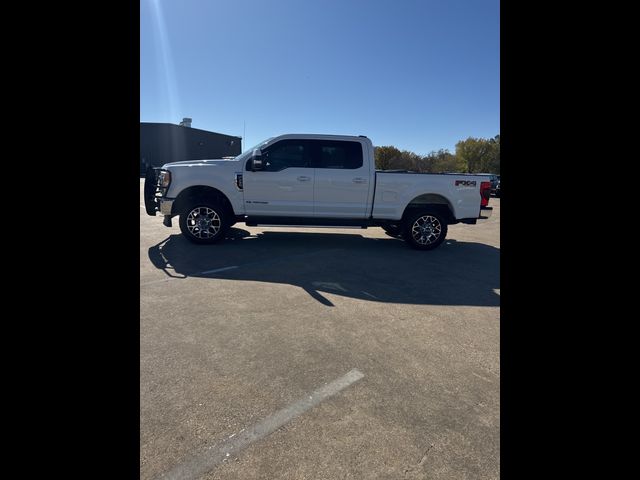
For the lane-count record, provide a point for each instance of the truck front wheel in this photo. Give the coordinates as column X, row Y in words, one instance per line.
column 204, row 223
column 425, row 230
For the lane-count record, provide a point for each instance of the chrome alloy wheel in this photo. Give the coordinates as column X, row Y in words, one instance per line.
column 203, row 222
column 426, row 230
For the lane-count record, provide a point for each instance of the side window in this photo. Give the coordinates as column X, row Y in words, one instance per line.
column 285, row 154
column 336, row 154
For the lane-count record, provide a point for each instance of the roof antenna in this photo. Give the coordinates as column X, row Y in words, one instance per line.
column 244, row 132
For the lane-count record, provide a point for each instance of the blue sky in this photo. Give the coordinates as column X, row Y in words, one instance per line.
column 419, row 75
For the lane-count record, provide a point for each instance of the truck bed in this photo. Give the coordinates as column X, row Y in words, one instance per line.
column 395, row 189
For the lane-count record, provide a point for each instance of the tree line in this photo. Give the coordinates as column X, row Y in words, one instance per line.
column 473, row 155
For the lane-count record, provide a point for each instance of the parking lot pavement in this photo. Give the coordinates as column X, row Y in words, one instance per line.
column 236, row 337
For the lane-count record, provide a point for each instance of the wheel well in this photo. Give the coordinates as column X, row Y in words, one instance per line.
column 433, row 201
column 200, row 193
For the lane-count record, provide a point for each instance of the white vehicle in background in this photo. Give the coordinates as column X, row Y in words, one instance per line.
column 313, row 180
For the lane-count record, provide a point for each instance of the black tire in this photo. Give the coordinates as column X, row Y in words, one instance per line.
column 393, row 230
column 204, row 222
column 425, row 229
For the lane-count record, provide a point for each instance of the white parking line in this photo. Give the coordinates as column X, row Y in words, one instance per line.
column 248, row 264
column 186, row 277
column 200, row 464
column 162, row 280
column 218, row 270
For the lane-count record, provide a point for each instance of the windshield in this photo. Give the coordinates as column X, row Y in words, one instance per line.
column 245, row 156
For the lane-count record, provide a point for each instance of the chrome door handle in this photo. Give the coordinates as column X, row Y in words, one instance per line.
column 304, row 179
column 359, row 180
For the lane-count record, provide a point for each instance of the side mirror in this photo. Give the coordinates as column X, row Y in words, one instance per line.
column 256, row 160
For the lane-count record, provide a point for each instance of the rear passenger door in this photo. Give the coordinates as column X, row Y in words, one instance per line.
column 341, row 179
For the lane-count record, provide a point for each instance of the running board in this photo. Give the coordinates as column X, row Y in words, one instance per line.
column 308, row 222
column 363, row 227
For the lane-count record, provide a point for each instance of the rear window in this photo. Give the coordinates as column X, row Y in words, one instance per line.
column 339, row 155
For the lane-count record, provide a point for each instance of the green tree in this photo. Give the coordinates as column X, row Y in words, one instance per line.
column 408, row 161
column 443, row 161
column 473, row 155
column 494, row 160
column 390, row 158
column 479, row 154
column 385, row 157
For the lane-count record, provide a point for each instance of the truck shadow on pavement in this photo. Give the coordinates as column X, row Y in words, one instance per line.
column 349, row 265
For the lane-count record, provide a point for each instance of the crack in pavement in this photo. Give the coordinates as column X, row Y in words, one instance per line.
column 421, row 462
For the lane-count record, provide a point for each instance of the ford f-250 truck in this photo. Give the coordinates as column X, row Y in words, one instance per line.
column 313, row 180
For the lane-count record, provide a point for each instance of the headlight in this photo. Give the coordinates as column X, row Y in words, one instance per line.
column 165, row 179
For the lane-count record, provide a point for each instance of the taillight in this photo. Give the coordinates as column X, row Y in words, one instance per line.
column 485, row 193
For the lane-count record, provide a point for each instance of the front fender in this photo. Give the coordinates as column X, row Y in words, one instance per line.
column 222, row 179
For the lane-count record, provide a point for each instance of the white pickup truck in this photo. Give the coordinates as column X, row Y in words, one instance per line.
column 313, row 180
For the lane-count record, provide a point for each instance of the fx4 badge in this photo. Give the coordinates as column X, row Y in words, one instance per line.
column 465, row 183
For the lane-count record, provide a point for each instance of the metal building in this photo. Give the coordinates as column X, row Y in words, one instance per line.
column 162, row 143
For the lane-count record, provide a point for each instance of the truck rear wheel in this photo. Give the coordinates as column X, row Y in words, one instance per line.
column 425, row 230
column 204, row 223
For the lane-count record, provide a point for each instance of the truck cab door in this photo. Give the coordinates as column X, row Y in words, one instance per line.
column 284, row 186
column 342, row 179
